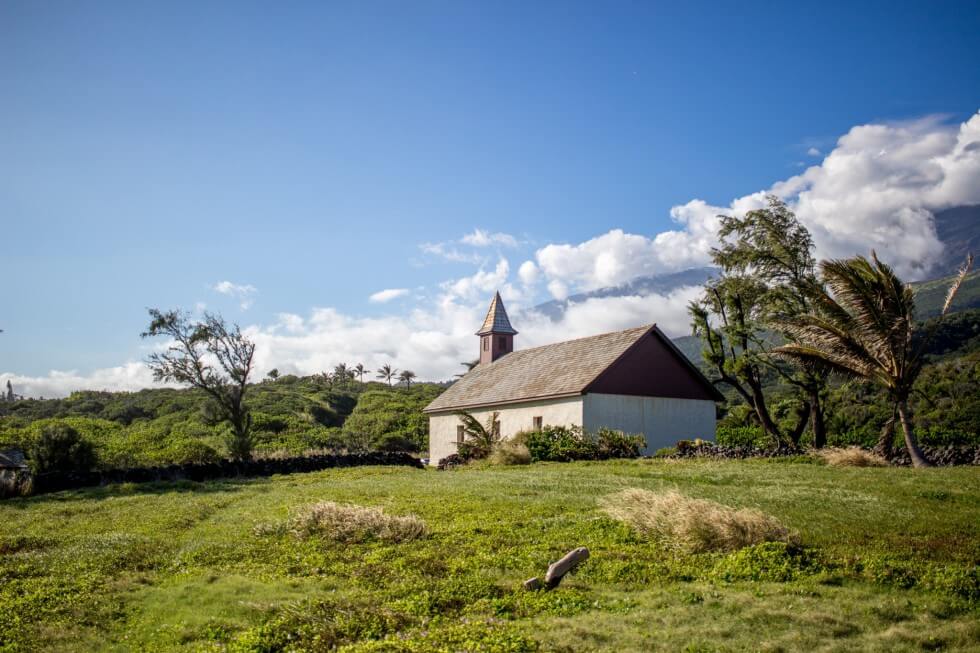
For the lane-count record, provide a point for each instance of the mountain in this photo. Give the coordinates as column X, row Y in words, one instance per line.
column 660, row 284
column 959, row 230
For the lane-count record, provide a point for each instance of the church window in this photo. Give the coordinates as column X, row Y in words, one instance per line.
column 537, row 422
column 460, row 434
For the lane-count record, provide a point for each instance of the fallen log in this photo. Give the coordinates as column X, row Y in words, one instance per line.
column 557, row 570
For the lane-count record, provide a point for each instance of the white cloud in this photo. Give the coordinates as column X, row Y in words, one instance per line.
column 877, row 188
column 129, row 376
column 243, row 292
column 387, row 295
column 450, row 253
column 528, row 272
column 813, row 152
column 481, row 238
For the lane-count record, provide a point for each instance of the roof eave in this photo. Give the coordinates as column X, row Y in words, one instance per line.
column 487, row 404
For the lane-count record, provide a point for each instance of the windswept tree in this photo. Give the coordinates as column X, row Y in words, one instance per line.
column 864, row 327
column 775, row 249
column 469, row 365
column 387, row 373
column 273, row 374
column 478, row 439
column 406, row 377
column 359, row 369
column 213, row 357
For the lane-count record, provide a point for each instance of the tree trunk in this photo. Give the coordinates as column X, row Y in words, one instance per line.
column 886, row 438
column 817, row 423
column 762, row 412
column 804, row 417
column 918, row 459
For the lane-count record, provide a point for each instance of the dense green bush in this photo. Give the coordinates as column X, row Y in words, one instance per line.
column 741, row 436
column 567, row 443
column 60, row 449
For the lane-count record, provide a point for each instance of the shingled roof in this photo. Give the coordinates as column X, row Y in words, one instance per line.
column 496, row 321
column 562, row 369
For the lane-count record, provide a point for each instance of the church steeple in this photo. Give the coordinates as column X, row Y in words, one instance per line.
column 496, row 334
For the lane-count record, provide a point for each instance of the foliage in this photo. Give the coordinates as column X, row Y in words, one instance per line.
column 60, row 449
column 741, row 436
column 212, row 357
column 889, row 564
column 692, row 525
column 866, row 329
column 478, row 439
column 566, row 443
column 391, row 419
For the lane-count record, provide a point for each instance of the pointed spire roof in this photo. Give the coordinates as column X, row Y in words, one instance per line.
column 497, row 321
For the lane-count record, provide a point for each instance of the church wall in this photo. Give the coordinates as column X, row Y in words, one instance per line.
column 661, row 420
column 513, row 418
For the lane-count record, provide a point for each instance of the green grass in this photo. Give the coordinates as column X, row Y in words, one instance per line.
column 889, row 563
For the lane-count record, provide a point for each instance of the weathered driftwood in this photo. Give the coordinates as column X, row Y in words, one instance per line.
column 532, row 584
column 557, row 570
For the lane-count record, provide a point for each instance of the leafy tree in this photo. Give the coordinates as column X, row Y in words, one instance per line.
column 213, row 357
column 773, row 247
column 386, row 373
column 866, row 329
column 273, row 373
column 478, row 439
column 406, row 377
column 342, row 374
column 767, row 272
column 60, row 449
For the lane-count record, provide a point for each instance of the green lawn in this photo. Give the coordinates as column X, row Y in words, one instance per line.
column 890, row 564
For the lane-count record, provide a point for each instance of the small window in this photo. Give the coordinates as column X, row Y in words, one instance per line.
column 496, row 427
column 537, row 422
column 460, row 434
column 486, row 343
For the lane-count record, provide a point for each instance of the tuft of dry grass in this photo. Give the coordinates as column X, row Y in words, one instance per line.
column 692, row 525
column 350, row 523
column 510, row 452
column 851, row 457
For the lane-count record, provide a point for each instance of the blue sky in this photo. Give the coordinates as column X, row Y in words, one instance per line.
column 149, row 151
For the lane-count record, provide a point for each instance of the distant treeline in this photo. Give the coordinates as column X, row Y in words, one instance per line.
column 291, row 414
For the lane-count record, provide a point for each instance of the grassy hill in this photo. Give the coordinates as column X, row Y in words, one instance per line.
column 889, row 564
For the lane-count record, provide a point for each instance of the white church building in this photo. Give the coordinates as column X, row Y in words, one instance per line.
column 635, row 381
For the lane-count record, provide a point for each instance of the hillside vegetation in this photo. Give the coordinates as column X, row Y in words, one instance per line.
column 291, row 414
column 412, row 560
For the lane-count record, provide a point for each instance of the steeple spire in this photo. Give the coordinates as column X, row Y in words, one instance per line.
column 496, row 334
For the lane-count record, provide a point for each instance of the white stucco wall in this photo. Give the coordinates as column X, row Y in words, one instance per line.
column 513, row 418
column 661, row 420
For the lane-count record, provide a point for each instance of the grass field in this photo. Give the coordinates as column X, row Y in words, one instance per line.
column 889, row 563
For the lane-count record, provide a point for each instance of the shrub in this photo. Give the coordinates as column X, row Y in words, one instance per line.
column 616, row 444
column 193, row 452
column 778, row 562
column 851, row 457
column 741, row 436
column 510, row 452
column 692, row 525
column 559, row 443
column 60, row 448
column 351, row 523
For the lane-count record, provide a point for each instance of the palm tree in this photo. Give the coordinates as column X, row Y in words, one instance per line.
column 866, row 329
column 342, row 374
column 407, row 376
column 479, row 439
column 359, row 369
column 387, row 373
column 469, row 365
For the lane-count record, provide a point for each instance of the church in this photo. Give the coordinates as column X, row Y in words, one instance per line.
column 635, row 381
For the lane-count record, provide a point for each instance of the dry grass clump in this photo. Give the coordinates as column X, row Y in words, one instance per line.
column 351, row 523
column 851, row 457
column 510, row 452
column 692, row 525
